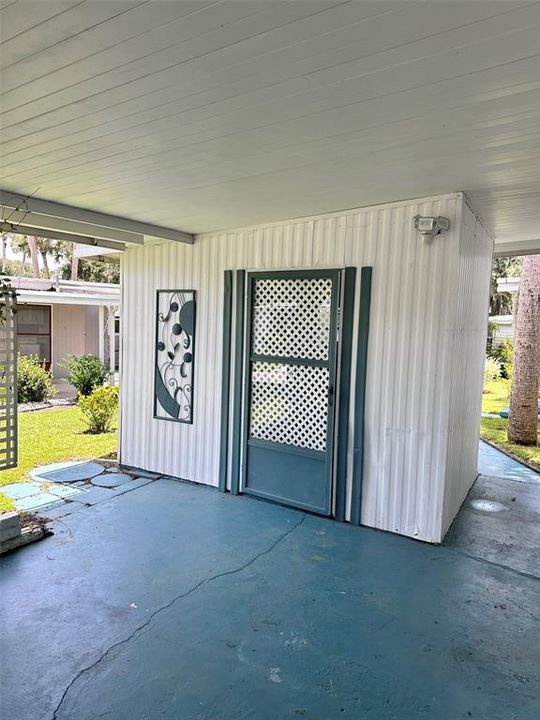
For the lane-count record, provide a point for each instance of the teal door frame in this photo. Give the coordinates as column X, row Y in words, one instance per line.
column 324, row 508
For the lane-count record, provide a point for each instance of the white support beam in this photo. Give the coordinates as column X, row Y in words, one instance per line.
column 58, row 210
column 38, row 220
column 101, row 333
column 111, row 313
column 67, row 237
column 514, row 249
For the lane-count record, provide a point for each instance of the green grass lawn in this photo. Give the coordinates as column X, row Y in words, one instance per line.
column 5, row 503
column 495, row 396
column 494, row 431
column 48, row 436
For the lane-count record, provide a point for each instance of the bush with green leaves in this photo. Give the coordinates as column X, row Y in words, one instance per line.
column 86, row 372
column 503, row 355
column 34, row 383
column 99, row 408
column 492, row 370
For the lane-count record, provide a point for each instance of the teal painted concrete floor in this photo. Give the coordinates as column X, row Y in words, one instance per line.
column 174, row 601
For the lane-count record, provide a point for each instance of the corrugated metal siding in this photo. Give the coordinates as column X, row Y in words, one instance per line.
column 504, row 329
column 407, row 394
column 468, row 335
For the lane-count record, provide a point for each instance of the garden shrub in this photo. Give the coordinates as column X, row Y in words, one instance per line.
column 503, row 355
column 34, row 383
column 99, row 408
column 492, row 370
column 86, row 372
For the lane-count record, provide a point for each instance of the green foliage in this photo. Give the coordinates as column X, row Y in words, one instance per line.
column 6, row 293
column 503, row 354
column 99, row 408
column 86, row 372
column 6, row 504
column 94, row 271
column 98, row 271
column 34, row 383
column 18, row 269
column 492, row 370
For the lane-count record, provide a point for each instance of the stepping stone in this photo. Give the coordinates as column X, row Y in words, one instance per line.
column 63, row 491
column 111, row 479
column 36, row 501
column 69, row 473
column 17, row 491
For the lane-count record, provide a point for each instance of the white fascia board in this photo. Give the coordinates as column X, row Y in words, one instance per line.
column 40, row 297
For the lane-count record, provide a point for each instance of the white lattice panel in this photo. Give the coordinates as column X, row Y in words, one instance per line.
column 8, row 385
column 291, row 317
column 289, row 404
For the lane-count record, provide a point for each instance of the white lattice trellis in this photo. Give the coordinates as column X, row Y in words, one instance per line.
column 291, row 317
column 8, row 384
column 289, row 404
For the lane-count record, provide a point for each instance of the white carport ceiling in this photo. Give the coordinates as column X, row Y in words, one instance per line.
column 205, row 115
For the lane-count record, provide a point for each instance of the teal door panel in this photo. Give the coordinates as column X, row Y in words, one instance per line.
column 290, row 373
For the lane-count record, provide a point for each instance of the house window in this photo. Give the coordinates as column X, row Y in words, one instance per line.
column 34, row 331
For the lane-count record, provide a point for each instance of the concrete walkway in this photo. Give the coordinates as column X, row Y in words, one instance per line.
column 495, row 463
column 180, row 603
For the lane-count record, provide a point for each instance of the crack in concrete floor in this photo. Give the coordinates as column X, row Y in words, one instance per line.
column 168, row 605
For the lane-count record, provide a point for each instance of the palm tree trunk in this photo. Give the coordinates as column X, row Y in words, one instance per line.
column 32, row 244
column 523, row 421
column 74, row 265
column 45, row 264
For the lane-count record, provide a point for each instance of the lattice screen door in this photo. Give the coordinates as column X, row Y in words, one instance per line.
column 8, row 384
column 290, row 390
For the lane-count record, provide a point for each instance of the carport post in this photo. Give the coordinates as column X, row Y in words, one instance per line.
column 111, row 310
column 101, row 333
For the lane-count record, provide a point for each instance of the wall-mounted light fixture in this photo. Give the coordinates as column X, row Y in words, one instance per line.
column 428, row 227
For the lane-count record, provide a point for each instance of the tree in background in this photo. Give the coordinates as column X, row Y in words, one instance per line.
column 68, row 266
column 500, row 303
column 19, row 244
column 32, row 245
column 99, row 271
column 523, row 419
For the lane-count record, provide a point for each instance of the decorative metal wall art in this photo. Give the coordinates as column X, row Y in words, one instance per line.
column 175, row 337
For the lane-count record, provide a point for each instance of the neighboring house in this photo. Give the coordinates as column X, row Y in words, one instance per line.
column 508, row 284
column 504, row 324
column 503, row 328
column 56, row 318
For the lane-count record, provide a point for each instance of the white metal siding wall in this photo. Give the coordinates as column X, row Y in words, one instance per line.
column 468, row 335
column 407, row 394
column 504, row 331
